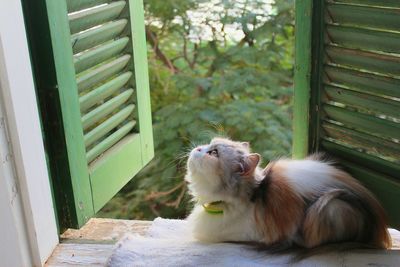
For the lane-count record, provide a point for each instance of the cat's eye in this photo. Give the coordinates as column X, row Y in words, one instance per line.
column 213, row 153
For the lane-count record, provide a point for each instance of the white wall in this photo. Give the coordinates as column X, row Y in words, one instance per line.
column 27, row 220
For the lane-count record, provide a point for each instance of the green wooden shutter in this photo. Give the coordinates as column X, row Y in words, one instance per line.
column 91, row 74
column 348, row 88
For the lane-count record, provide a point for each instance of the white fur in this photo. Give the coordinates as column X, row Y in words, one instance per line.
column 201, row 175
column 308, row 176
column 235, row 224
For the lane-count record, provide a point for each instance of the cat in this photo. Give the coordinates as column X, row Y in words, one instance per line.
column 303, row 203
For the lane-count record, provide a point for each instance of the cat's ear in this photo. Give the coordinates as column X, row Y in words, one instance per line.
column 249, row 164
column 246, row 144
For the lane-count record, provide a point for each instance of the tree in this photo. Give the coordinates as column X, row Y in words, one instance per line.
column 220, row 67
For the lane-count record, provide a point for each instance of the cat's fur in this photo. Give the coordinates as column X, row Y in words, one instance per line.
column 306, row 203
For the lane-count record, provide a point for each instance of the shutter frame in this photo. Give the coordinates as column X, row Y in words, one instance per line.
column 370, row 82
column 303, row 19
column 142, row 80
column 80, row 187
column 69, row 104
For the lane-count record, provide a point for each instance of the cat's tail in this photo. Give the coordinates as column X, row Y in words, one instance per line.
column 375, row 219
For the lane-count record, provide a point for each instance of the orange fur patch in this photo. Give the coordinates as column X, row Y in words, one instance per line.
column 280, row 215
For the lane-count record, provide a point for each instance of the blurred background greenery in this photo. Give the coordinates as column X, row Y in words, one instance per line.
column 219, row 67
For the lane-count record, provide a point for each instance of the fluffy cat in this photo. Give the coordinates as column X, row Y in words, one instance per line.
column 304, row 203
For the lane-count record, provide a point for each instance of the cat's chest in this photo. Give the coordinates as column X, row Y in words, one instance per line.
column 236, row 225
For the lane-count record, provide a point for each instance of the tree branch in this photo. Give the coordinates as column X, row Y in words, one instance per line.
column 152, row 38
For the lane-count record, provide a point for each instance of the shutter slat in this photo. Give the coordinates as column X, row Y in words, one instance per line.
column 363, row 39
column 374, row 145
column 105, row 109
column 385, row 188
column 377, row 3
column 102, row 92
column 91, row 17
column 368, row 61
column 105, row 127
column 363, row 122
column 74, row 5
column 101, row 53
column 101, row 73
column 370, row 17
column 90, row 38
column 367, row 102
column 360, row 81
column 352, row 96
column 109, row 141
column 383, row 166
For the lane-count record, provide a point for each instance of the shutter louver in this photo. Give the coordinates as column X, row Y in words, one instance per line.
column 100, row 65
column 355, row 91
column 362, row 41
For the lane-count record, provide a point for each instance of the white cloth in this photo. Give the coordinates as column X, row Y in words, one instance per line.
column 169, row 243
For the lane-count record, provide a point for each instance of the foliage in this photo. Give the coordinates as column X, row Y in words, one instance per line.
column 220, row 67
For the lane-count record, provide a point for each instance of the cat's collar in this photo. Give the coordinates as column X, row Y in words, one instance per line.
column 215, row 207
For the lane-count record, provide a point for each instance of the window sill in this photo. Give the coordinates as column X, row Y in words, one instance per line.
column 93, row 244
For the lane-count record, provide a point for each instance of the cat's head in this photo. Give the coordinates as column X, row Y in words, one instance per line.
column 221, row 170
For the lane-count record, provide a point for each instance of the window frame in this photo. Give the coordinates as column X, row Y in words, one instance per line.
column 31, row 226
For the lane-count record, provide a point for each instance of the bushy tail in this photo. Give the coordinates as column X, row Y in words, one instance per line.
column 374, row 214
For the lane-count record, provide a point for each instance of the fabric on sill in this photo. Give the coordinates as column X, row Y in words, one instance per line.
column 169, row 243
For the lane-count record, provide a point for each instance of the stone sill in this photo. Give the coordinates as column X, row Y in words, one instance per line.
column 93, row 244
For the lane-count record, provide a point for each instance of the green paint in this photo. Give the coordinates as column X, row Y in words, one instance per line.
column 99, row 73
column 142, row 79
column 75, row 5
column 105, row 139
column 102, row 92
column 362, row 121
column 109, row 141
column 365, row 39
column 377, row 146
column 92, row 17
column 97, row 55
column 361, row 158
column 362, row 81
column 99, row 113
column 114, row 169
column 90, row 38
column 369, row 61
column 344, row 101
column 302, row 74
column 375, row 3
column 69, row 104
column 385, row 188
column 105, row 127
column 367, row 102
column 364, row 16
